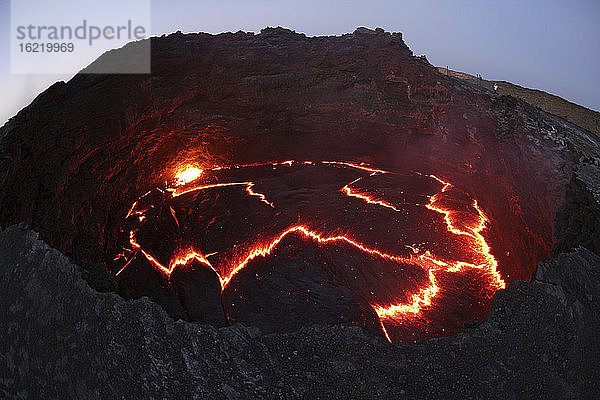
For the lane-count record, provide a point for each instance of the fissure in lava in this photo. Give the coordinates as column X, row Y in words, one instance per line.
column 409, row 246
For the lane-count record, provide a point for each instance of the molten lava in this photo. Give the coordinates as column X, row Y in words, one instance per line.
column 452, row 249
column 187, row 175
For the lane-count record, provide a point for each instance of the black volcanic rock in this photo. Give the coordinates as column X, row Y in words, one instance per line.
column 62, row 339
column 198, row 288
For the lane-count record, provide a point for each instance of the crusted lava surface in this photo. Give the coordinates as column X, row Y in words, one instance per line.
column 280, row 181
column 294, row 243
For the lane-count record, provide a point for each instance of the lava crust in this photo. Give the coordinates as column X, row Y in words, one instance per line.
column 314, row 248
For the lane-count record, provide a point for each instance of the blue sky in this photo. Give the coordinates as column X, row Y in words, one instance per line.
column 553, row 45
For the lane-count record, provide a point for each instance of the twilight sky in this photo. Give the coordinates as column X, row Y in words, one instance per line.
column 553, row 45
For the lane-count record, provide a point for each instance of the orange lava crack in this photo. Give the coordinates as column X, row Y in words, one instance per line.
column 350, row 192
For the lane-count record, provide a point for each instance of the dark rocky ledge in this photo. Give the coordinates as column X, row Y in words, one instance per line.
column 62, row 339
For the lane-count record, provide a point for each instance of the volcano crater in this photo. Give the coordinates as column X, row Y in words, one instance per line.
column 281, row 181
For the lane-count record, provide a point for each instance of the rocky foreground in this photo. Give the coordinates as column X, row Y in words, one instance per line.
column 63, row 339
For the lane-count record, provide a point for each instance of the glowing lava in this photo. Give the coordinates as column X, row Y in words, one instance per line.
column 349, row 191
column 408, row 306
column 261, row 196
column 187, row 175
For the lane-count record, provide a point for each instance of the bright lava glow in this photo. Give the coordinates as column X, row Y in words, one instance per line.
column 187, row 175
